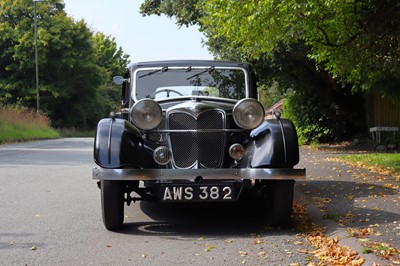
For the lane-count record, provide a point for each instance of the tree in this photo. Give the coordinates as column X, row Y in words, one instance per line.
column 323, row 107
column 113, row 62
column 186, row 12
column 74, row 64
column 357, row 42
column 68, row 74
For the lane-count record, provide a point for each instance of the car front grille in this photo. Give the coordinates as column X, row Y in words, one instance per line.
column 204, row 148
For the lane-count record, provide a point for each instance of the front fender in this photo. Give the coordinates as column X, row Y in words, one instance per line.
column 118, row 144
column 275, row 144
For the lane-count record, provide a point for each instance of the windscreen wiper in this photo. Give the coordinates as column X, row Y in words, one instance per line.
column 202, row 72
column 163, row 69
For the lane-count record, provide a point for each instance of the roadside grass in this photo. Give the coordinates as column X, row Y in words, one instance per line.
column 21, row 124
column 384, row 163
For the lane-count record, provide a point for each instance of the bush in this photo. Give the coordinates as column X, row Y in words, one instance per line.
column 306, row 114
column 325, row 116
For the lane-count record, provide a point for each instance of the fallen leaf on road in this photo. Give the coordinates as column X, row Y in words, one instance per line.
column 391, row 186
column 243, row 253
column 209, row 247
column 327, row 250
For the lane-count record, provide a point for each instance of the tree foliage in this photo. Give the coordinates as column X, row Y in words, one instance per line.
column 74, row 63
column 324, row 51
column 186, row 12
column 356, row 41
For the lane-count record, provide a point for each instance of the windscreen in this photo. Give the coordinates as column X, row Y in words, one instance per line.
column 167, row 82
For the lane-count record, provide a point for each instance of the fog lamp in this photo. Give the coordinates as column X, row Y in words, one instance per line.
column 236, row 151
column 162, row 155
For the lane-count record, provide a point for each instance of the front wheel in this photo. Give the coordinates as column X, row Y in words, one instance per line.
column 112, row 204
column 279, row 195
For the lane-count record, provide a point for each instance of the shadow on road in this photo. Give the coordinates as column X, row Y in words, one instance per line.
column 353, row 203
column 210, row 219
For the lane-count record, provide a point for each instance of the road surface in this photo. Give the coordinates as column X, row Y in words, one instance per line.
column 50, row 215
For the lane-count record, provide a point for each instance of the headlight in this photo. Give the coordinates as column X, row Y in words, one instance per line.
column 248, row 113
column 146, row 114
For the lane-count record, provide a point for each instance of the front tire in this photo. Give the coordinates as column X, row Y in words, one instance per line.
column 112, row 204
column 280, row 202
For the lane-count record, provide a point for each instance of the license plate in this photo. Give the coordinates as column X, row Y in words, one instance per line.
column 197, row 192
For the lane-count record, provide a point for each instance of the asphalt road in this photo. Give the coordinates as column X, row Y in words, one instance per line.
column 50, row 215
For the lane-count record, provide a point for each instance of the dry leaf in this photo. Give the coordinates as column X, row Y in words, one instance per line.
column 209, row 247
column 391, row 186
column 243, row 253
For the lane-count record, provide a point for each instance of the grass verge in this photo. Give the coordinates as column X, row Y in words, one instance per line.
column 21, row 124
column 384, row 163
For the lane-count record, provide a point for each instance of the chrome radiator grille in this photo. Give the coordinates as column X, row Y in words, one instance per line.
column 204, row 149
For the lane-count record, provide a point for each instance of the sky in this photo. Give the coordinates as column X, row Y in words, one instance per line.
column 143, row 38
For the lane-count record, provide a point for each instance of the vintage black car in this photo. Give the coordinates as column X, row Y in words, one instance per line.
column 194, row 131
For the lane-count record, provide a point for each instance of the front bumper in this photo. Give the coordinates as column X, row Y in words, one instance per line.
column 205, row 174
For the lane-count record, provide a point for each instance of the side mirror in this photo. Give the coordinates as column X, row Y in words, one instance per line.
column 118, row 80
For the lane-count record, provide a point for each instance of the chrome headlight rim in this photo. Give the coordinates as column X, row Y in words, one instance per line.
column 146, row 114
column 248, row 113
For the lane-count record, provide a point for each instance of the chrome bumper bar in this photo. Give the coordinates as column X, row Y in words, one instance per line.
column 191, row 174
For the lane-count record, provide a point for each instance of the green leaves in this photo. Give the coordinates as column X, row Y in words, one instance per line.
column 74, row 63
column 355, row 41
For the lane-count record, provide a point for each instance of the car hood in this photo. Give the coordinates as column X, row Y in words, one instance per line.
column 197, row 106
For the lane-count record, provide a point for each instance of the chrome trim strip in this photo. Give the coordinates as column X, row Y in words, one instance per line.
column 184, row 67
column 191, row 174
